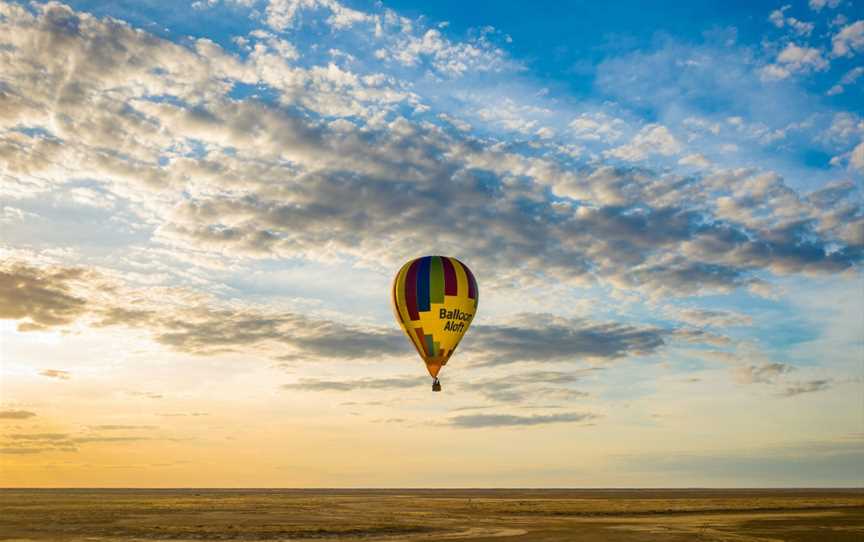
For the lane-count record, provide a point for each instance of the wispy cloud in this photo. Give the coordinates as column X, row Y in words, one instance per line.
column 20, row 451
column 34, row 443
column 474, row 421
column 146, row 394
column 545, row 385
column 311, row 384
column 546, row 338
column 119, row 427
column 41, row 299
column 37, row 436
column 849, row 40
column 808, row 386
column 16, row 414
column 764, row 373
column 56, row 373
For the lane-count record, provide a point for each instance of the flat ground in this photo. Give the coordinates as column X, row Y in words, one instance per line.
column 430, row 515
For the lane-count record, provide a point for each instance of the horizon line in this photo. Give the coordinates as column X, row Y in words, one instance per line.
column 421, row 488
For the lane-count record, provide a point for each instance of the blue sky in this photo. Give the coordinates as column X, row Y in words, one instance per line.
column 562, row 57
column 662, row 208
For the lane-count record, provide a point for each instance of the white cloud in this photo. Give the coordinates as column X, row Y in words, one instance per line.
column 817, row 5
column 459, row 124
column 651, row 140
column 597, row 126
column 774, row 72
column 696, row 160
column 702, row 125
column 447, row 57
column 777, row 18
column 801, row 58
column 709, row 318
column 766, row 373
column 545, row 132
column 343, row 17
column 849, row 40
column 856, row 159
column 845, row 127
column 204, row 4
column 794, row 59
column 800, row 28
column 515, row 116
column 848, row 78
column 839, row 20
column 282, row 14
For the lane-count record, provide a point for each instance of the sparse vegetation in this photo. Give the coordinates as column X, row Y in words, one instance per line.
column 552, row 515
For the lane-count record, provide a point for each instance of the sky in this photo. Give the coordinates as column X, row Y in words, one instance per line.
column 203, row 205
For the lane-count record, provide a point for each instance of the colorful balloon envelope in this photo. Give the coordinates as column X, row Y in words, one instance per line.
column 435, row 300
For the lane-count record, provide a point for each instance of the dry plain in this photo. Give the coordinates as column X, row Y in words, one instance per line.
column 430, row 515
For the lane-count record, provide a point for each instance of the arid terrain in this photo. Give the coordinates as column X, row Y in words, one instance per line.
column 429, row 515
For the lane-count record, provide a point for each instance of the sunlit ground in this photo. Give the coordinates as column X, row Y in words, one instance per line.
column 546, row 515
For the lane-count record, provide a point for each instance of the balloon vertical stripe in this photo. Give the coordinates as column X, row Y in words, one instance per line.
column 436, row 280
column 393, row 298
column 461, row 278
column 421, row 340
column 423, row 284
column 449, row 276
column 472, row 284
column 400, row 294
column 411, row 290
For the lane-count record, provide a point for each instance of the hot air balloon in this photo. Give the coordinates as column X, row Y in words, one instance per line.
column 434, row 300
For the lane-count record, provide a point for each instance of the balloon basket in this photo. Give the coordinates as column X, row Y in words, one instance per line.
column 436, row 385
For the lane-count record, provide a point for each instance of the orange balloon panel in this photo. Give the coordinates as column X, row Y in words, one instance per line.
column 434, row 300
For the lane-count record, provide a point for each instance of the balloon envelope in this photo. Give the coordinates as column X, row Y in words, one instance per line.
column 434, row 300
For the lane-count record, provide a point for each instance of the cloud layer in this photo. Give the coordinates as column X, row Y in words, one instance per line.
column 331, row 167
